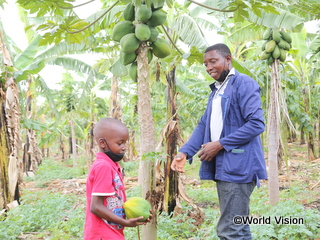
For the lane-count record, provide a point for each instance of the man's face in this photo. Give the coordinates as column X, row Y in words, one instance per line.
column 215, row 63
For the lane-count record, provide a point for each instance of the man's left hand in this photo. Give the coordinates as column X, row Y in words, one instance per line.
column 209, row 150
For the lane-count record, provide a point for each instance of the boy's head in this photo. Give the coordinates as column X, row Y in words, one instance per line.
column 111, row 136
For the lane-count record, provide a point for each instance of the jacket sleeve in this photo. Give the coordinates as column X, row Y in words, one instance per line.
column 249, row 102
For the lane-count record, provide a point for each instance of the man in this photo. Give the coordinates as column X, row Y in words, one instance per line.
column 228, row 134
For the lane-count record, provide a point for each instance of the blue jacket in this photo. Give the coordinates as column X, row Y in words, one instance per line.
column 242, row 159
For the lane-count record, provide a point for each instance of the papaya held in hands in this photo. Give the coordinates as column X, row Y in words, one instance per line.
column 137, row 207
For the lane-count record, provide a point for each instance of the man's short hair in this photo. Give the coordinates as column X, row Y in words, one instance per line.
column 221, row 48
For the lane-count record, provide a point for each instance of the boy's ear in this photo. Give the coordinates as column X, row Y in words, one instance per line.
column 101, row 143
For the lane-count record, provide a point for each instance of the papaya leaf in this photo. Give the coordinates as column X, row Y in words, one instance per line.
column 118, row 69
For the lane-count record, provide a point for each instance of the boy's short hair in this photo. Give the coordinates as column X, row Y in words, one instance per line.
column 219, row 47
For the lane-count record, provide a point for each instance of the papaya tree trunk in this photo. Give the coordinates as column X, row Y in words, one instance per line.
column 273, row 135
column 147, row 140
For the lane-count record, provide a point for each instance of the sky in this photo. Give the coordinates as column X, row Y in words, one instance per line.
column 15, row 29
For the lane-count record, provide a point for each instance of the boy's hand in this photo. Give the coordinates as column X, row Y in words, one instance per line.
column 178, row 162
column 133, row 222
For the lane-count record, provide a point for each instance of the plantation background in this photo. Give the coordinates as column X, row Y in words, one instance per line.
column 53, row 203
column 51, row 96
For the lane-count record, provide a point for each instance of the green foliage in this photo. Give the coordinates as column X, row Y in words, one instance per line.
column 43, row 212
column 51, row 169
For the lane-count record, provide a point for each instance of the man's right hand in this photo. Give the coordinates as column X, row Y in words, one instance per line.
column 178, row 162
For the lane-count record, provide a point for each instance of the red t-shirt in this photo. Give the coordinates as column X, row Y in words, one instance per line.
column 105, row 179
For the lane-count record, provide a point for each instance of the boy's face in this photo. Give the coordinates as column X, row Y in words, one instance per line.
column 116, row 140
column 215, row 63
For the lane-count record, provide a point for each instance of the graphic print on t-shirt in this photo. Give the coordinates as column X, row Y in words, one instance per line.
column 115, row 203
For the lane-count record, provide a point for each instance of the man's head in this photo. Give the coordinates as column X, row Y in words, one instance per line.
column 217, row 59
column 111, row 136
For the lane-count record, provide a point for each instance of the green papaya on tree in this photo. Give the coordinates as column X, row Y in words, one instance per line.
column 129, row 43
column 158, row 17
column 270, row 46
column 276, row 52
column 276, row 36
column 122, row 28
column 264, row 55
column 161, row 48
column 150, row 55
column 267, row 34
column 154, row 34
column 286, row 36
column 142, row 32
column 143, row 13
column 133, row 71
column 283, row 55
column 127, row 58
column 129, row 12
column 270, row 60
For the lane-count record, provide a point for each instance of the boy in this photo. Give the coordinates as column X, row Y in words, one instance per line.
column 105, row 218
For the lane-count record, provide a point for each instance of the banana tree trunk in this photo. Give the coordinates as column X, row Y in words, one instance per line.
column 115, row 109
column 73, row 143
column 10, row 142
column 274, row 134
column 172, row 137
column 147, row 140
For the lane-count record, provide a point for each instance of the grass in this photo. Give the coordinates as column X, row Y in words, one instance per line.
column 51, row 210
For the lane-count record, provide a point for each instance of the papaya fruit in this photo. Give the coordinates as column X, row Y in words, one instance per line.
column 270, row 60
column 129, row 43
column 283, row 55
column 142, row 32
column 270, row 46
column 158, row 17
column 276, row 52
column 276, row 36
column 129, row 12
column 286, row 36
column 157, row 4
column 263, row 47
column 137, row 207
column 154, row 34
column 282, row 44
column 122, row 28
column 127, row 58
column 143, row 13
column 267, row 34
column 150, row 56
column 133, row 71
column 161, row 48
column 264, row 55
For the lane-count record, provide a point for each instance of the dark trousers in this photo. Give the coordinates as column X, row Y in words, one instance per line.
column 234, row 200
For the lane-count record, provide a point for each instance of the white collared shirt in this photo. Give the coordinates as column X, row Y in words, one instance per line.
column 216, row 122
